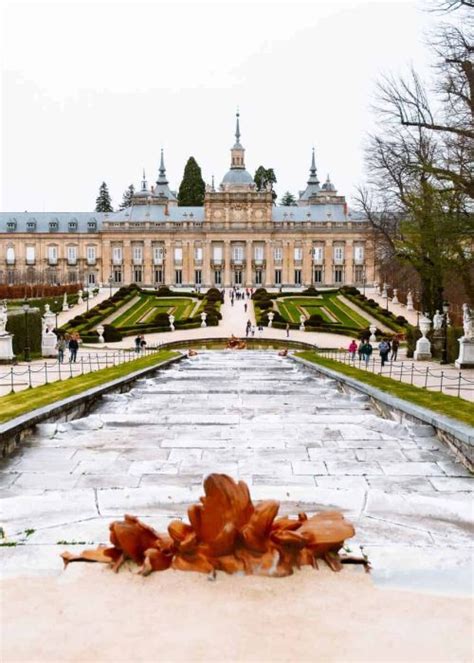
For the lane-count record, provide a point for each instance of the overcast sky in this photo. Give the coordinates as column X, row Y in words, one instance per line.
column 92, row 90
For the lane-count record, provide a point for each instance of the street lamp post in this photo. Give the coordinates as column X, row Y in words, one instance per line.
column 56, row 312
column 444, row 354
column 26, row 308
column 110, row 284
column 386, row 299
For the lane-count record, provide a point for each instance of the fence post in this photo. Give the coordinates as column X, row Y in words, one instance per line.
column 90, row 363
column 46, row 372
column 82, row 366
column 30, row 386
column 401, row 372
column 459, row 384
column 12, row 390
column 106, row 360
column 441, row 381
column 59, row 370
column 412, row 372
column 98, row 362
column 426, row 377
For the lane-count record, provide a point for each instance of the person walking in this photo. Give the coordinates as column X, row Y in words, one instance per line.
column 366, row 352
column 73, row 347
column 248, row 328
column 137, row 343
column 245, row 307
column 395, row 346
column 253, row 330
column 260, row 330
column 61, row 347
column 384, row 349
column 142, row 343
column 352, row 349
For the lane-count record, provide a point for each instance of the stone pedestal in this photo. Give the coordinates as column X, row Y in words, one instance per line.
column 6, row 348
column 48, row 344
column 466, row 353
column 423, row 349
column 438, row 342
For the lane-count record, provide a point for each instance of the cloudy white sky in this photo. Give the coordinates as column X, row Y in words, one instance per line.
column 92, row 90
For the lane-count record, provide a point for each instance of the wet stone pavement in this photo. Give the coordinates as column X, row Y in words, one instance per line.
column 290, row 434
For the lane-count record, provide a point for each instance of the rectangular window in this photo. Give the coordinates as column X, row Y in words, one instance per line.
column 138, row 255
column 198, row 277
column 217, row 253
column 30, row 255
column 91, row 255
column 117, row 276
column 238, row 277
column 178, row 276
column 298, row 253
column 91, row 278
column 359, row 274
column 10, row 255
column 278, row 254
column 238, row 253
column 198, row 253
column 72, row 255
column 137, row 275
column 297, row 276
column 338, row 254
column 52, row 255
column 157, row 255
column 72, row 277
column 258, row 277
column 318, row 275
column 178, row 254
column 258, row 252
column 217, row 277
column 318, row 254
column 338, row 275
column 277, row 276
column 158, row 276
column 358, row 254
column 117, row 255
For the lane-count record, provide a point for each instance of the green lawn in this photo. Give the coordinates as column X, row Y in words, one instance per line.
column 328, row 306
column 148, row 306
column 24, row 401
column 451, row 406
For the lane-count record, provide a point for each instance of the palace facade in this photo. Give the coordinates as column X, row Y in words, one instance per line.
column 239, row 237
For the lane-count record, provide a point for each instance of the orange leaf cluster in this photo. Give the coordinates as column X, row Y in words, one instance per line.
column 227, row 532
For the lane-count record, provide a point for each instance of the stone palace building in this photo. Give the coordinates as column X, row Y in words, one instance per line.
column 239, row 237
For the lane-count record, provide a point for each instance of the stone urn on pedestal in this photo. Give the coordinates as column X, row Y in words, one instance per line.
column 466, row 342
column 395, row 296
column 203, row 319
column 65, row 304
column 48, row 337
column 384, row 291
column 302, row 321
column 372, row 338
column 271, row 315
column 100, row 331
column 410, row 301
column 171, row 318
column 423, row 345
column 6, row 339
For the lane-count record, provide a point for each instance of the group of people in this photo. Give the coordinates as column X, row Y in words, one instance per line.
column 364, row 349
column 237, row 294
column 250, row 329
column 68, row 342
column 140, row 343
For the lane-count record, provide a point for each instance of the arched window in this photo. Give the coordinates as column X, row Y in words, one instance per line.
column 10, row 255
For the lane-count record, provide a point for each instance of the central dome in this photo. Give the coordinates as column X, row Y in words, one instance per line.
column 238, row 176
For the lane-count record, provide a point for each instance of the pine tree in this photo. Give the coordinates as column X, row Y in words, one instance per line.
column 127, row 197
column 192, row 188
column 103, row 202
column 288, row 200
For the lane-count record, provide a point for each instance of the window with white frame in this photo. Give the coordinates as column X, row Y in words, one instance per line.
column 258, row 252
column 217, row 253
column 338, row 254
column 91, row 254
column 318, row 254
column 178, row 254
column 138, row 254
column 157, row 255
column 117, row 255
column 10, row 255
column 238, row 253
column 52, row 254
column 359, row 254
column 278, row 254
column 298, row 253
column 30, row 255
column 198, row 253
column 72, row 255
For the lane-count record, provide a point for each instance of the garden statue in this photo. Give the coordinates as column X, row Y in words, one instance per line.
column 3, row 318
column 467, row 322
column 466, row 342
column 384, row 291
column 271, row 315
column 423, row 345
column 171, row 318
column 395, row 296
column 79, row 297
column 302, row 321
column 437, row 320
column 227, row 532
column 65, row 304
column 410, row 301
column 6, row 339
column 372, row 329
column 203, row 319
column 100, row 331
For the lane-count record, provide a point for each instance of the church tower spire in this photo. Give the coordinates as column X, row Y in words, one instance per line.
column 162, row 171
column 237, row 152
column 313, row 175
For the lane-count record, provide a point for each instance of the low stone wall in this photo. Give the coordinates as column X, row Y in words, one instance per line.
column 13, row 432
column 458, row 435
column 253, row 343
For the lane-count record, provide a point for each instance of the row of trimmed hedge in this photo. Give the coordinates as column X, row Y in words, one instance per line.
column 397, row 324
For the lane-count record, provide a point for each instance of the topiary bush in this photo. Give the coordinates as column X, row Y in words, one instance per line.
column 315, row 320
column 310, row 292
column 111, row 334
column 16, row 325
column 213, row 295
column 161, row 319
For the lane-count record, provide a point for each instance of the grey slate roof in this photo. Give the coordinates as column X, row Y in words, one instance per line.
column 315, row 212
column 42, row 221
column 157, row 213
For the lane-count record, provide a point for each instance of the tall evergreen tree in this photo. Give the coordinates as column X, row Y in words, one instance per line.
column 192, row 188
column 288, row 200
column 264, row 177
column 103, row 202
column 127, row 197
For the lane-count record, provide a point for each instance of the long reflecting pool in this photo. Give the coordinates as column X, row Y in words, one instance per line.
column 290, row 434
